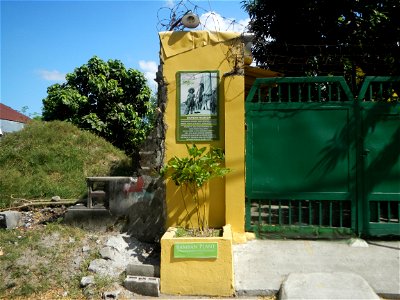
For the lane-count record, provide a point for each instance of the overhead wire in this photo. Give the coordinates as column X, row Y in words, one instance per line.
column 169, row 16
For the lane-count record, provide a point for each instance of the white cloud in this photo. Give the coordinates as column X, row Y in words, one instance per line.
column 149, row 69
column 169, row 3
column 51, row 75
column 213, row 21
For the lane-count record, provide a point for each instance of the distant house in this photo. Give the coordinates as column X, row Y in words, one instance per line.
column 11, row 120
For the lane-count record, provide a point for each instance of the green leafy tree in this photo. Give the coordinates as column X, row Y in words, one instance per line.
column 104, row 98
column 344, row 37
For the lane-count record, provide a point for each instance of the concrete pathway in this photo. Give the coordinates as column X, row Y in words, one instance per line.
column 322, row 285
column 261, row 266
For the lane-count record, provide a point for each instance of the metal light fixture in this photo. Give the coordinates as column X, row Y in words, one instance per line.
column 190, row 20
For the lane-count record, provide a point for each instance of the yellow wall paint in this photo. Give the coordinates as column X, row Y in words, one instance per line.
column 205, row 51
column 233, row 88
column 208, row 277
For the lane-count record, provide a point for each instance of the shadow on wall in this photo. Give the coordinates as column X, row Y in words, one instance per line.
column 145, row 218
column 134, row 205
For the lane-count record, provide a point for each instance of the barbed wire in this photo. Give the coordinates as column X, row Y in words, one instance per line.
column 169, row 18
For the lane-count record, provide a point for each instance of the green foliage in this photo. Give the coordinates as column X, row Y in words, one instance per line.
column 193, row 172
column 325, row 37
column 106, row 99
column 54, row 158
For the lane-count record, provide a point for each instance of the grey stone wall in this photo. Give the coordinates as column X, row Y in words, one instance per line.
column 153, row 148
column 146, row 217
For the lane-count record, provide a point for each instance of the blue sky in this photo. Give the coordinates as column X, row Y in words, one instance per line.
column 41, row 41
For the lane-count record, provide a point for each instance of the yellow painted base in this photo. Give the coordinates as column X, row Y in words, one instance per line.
column 239, row 238
column 197, row 277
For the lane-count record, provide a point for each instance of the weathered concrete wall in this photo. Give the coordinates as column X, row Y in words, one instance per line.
column 146, row 215
column 133, row 204
column 10, row 126
column 124, row 194
column 10, row 219
column 152, row 150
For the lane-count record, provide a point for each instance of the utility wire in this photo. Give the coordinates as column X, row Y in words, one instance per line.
column 169, row 18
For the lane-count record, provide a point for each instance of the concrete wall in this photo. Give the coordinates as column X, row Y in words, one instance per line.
column 206, row 51
column 10, row 126
column 146, row 208
column 146, row 215
column 133, row 204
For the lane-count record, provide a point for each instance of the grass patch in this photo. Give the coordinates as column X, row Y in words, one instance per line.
column 36, row 262
column 43, row 160
column 54, row 158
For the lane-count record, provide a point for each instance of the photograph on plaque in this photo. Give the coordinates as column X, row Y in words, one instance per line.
column 197, row 97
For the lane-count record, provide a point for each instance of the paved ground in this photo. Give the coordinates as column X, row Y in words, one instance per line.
column 262, row 265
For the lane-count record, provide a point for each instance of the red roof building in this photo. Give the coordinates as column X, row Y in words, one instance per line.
column 11, row 120
column 7, row 113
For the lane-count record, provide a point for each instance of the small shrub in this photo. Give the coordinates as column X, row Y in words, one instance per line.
column 192, row 174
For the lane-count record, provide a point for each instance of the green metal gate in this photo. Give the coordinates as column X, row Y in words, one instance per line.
column 319, row 162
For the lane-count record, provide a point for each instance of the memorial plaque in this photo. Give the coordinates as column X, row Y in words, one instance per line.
column 197, row 104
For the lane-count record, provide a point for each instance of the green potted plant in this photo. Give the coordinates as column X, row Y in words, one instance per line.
column 201, row 261
column 192, row 174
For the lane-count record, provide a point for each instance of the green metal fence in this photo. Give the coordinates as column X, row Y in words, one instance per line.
column 379, row 148
column 319, row 162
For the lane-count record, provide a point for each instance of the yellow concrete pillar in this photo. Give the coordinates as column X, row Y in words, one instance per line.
column 235, row 154
column 208, row 51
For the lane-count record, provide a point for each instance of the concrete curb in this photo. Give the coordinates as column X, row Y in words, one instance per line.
column 335, row 285
column 143, row 270
column 146, row 286
column 10, row 219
